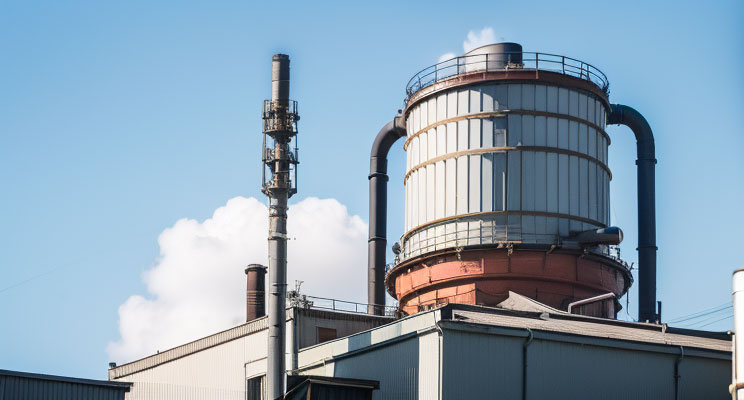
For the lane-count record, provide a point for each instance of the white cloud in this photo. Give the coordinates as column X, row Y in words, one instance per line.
column 446, row 56
column 482, row 38
column 474, row 40
column 197, row 286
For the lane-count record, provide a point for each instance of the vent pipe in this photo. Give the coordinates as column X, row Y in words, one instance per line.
column 255, row 293
column 280, row 160
column 646, row 162
column 376, row 244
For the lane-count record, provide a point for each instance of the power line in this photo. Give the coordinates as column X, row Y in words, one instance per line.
column 698, row 314
column 27, row 280
column 693, row 324
column 721, row 319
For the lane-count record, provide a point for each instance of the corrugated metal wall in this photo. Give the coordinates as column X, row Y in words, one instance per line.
column 17, row 387
column 490, row 366
column 461, row 161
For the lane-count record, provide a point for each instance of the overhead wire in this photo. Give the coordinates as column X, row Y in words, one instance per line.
column 702, row 313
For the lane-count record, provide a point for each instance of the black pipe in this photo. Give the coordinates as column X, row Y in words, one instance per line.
column 376, row 244
column 646, row 162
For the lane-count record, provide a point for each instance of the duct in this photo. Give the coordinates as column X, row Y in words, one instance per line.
column 646, row 162
column 610, row 235
column 590, row 300
column 255, row 293
column 377, row 241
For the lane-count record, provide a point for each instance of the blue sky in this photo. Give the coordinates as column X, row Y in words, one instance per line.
column 118, row 119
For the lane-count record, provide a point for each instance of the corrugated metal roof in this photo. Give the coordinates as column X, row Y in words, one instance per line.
column 589, row 326
column 29, row 386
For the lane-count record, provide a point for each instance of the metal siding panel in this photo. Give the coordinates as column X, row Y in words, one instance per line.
column 593, row 206
column 481, row 366
column 541, row 131
column 514, row 130
column 499, row 181
column 584, row 187
column 515, row 96
column 414, row 151
column 424, row 148
column 430, row 192
column 424, row 114
column 442, row 107
column 541, row 184
column 563, row 184
column 451, row 137
column 541, row 97
column 552, row 99
column 451, row 187
column 513, row 175
column 441, row 140
column 528, row 130
column 451, row 104
column 462, row 184
column 573, row 183
column 592, row 138
column 573, row 103
column 502, row 94
column 488, row 95
column 552, row 182
column 583, row 139
column 422, row 196
column 573, row 135
column 583, row 106
column 475, row 134
column 462, row 101
column 414, row 199
column 432, row 108
column 462, row 135
column 552, row 132
column 499, row 131
column 440, row 175
column 428, row 374
column 528, row 181
column 487, row 182
column 562, row 101
column 528, row 97
column 563, row 134
column 432, row 148
column 475, row 184
column 475, row 100
column 416, row 118
column 487, row 133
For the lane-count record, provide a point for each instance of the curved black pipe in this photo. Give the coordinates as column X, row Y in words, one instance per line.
column 377, row 242
column 646, row 162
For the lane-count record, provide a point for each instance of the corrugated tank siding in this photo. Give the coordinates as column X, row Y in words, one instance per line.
column 14, row 387
column 461, row 161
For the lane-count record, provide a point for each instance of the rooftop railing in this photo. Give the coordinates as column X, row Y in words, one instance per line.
column 496, row 62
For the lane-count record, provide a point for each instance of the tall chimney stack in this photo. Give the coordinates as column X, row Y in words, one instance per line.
column 279, row 184
column 255, row 293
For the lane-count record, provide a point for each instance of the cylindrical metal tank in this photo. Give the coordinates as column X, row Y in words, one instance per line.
column 506, row 164
column 255, row 294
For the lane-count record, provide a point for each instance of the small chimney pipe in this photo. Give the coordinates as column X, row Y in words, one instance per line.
column 255, row 293
column 646, row 162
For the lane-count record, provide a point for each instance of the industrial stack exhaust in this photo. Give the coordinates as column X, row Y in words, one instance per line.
column 507, row 187
column 279, row 184
column 255, row 293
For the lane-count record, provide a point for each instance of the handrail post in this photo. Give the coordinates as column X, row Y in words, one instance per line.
column 563, row 64
column 537, row 60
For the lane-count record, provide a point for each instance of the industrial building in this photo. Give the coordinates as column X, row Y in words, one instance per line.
column 23, row 385
column 507, row 276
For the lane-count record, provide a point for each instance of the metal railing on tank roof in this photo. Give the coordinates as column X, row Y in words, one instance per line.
column 495, row 62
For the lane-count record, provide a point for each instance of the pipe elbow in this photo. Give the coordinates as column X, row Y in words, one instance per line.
column 388, row 135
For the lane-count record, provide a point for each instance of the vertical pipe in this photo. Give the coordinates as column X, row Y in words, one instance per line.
column 646, row 162
column 377, row 241
column 255, row 293
column 279, row 192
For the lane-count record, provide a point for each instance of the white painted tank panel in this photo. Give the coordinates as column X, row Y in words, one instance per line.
column 549, row 169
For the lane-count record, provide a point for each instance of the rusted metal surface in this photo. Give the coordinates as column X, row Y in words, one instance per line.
column 255, row 294
column 485, row 277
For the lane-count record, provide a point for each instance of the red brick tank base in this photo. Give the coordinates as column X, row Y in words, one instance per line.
column 485, row 277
